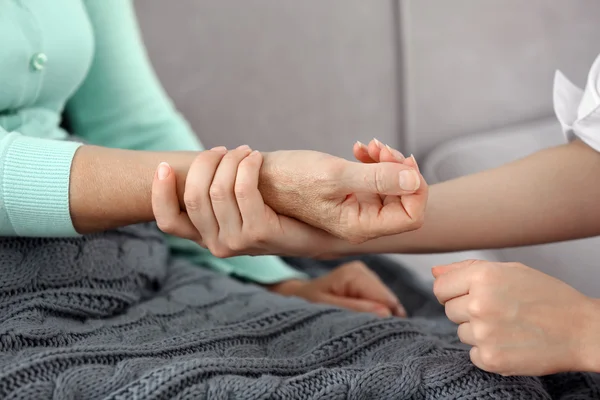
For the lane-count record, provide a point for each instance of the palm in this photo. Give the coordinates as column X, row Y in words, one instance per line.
column 369, row 210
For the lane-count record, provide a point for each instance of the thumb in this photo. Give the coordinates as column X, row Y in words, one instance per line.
column 165, row 205
column 382, row 178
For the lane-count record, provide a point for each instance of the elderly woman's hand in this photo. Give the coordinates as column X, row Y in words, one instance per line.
column 519, row 320
column 225, row 211
column 352, row 201
column 352, row 285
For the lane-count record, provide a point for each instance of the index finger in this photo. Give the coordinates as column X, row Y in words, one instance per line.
column 361, row 153
column 454, row 282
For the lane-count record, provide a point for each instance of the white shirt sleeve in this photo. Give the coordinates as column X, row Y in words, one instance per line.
column 578, row 111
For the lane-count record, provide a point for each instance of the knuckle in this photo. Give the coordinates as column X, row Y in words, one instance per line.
column 491, row 359
column 242, row 190
column 217, row 192
column 220, row 251
column 191, row 201
column 486, row 274
column 355, row 266
column 258, row 236
column 477, row 308
column 235, row 244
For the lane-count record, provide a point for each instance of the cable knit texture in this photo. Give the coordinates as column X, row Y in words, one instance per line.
column 111, row 316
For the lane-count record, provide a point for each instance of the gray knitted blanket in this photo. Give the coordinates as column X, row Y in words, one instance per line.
column 110, row 316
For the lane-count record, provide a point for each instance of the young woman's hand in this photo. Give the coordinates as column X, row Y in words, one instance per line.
column 519, row 320
column 377, row 152
column 225, row 211
column 352, row 201
column 353, row 286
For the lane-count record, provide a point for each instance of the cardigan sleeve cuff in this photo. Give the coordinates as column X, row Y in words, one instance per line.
column 35, row 186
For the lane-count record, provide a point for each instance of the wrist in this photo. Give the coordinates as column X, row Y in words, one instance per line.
column 280, row 189
column 267, row 182
column 588, row 354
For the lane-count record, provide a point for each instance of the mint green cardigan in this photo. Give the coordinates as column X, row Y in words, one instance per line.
column 84, row 57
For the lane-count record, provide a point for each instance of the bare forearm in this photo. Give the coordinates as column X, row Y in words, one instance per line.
column 549, row 196
column 110, row 188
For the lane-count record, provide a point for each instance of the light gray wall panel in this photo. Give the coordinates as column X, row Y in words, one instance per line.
column 278, row 73
column 474, row 65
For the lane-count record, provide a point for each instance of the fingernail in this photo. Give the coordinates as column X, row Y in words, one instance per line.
column 397, row 155
column 254, row 153
column 400, row 311
column 243, row 147
column 415, row 161
column 360, row 144
column 163, row 171
column 219, row 148
column 409, row 180
column 377, row 143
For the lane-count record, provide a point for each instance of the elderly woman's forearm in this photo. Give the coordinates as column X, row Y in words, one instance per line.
column 110, row 188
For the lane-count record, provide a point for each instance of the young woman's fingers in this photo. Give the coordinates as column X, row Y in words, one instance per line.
column 415, row 203
column 412, row 162
column 196, row 196
column 222, row 195
column 389, row 154
column 475, row 356
column 457, row 309
column 249, row 198
column 165, row 205
column 454, row 283
column 465, row 334
column 361, row 153
column 440, row 270
column 374, row 148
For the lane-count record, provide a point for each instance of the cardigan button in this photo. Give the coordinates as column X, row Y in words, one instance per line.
column 38, row 61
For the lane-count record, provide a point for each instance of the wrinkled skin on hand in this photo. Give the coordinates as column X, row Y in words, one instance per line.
column 325, row 201
column 352, row 285
column 352, row 201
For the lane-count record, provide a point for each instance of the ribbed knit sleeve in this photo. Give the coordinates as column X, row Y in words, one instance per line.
column 34, row 186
